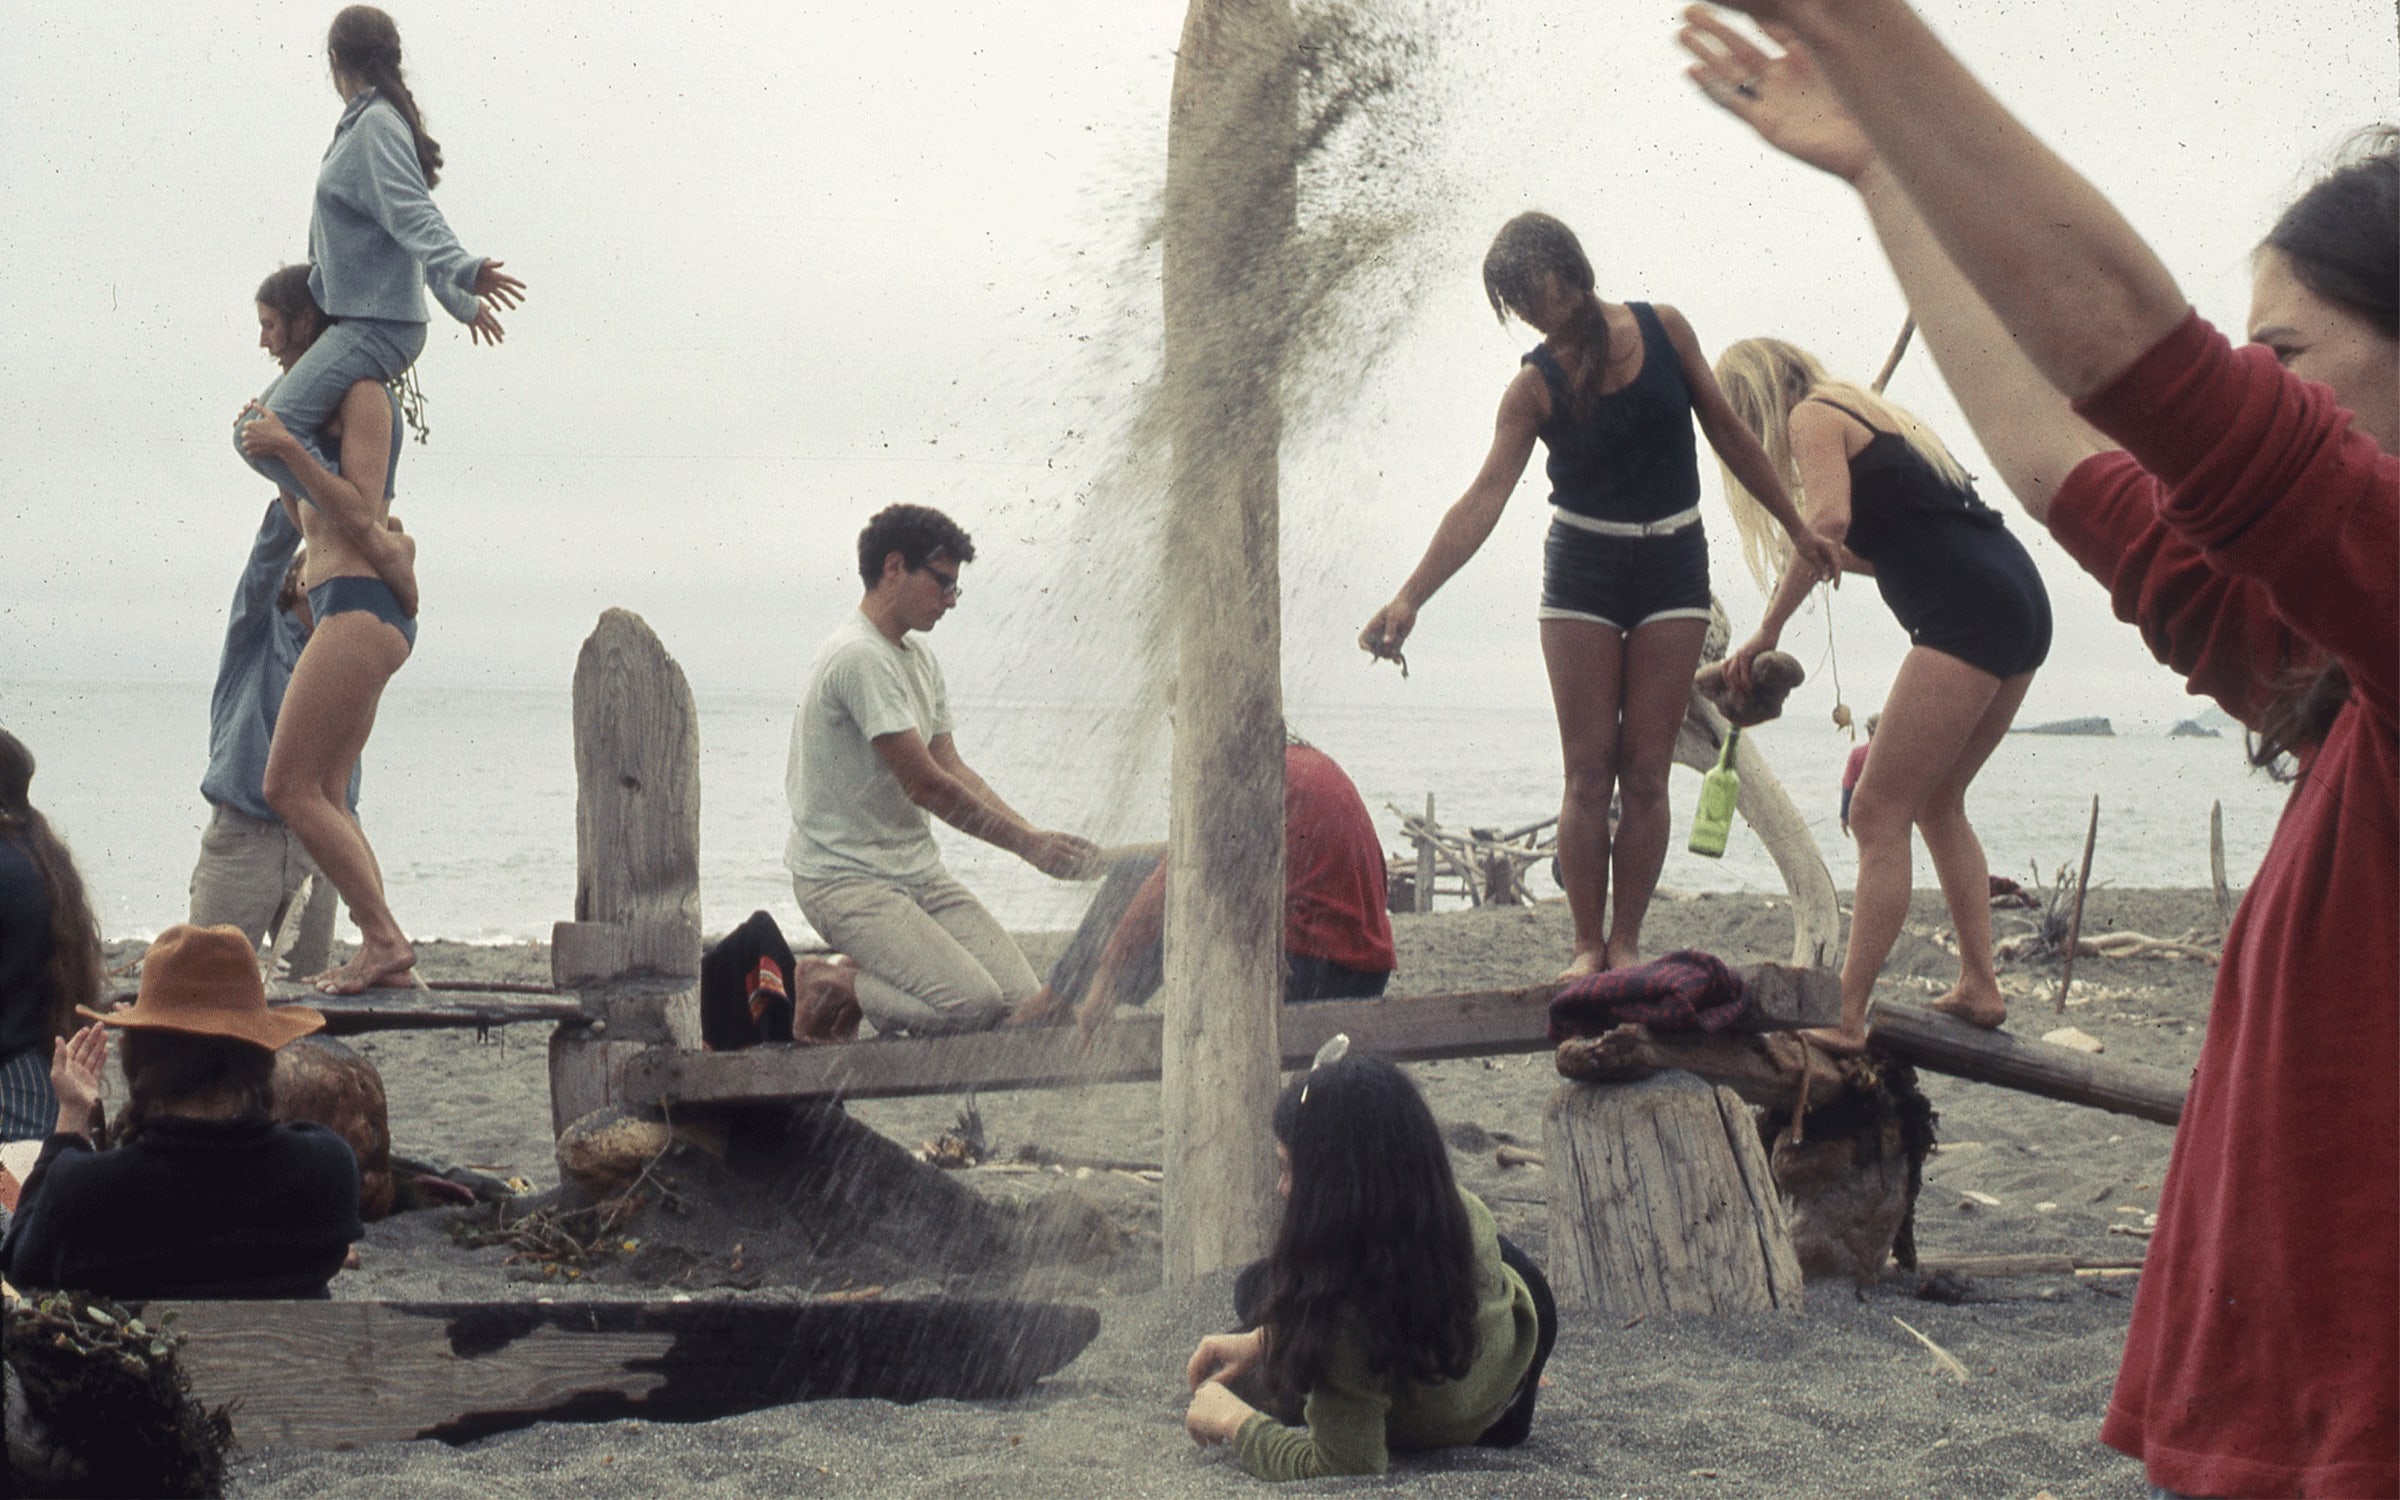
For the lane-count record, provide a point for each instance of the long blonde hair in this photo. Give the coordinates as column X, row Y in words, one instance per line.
column 1764, row 379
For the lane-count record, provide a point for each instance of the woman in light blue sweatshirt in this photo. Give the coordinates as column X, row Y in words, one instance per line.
column 373, row 236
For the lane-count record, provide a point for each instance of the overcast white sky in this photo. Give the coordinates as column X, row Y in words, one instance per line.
column 791, row 262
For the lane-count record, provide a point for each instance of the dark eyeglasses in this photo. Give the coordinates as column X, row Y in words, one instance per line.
column 948, row 581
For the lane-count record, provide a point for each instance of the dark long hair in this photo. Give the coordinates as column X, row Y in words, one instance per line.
column 1374, row 1242
column 1528, row 247
column 164, row 1069
column 286, row 291
column 75, row 968
column 364, row 43
column 2342, row 239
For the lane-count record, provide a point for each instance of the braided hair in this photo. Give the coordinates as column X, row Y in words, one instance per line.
column 365, row 44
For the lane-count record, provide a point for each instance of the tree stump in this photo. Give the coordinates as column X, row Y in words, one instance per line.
column 1661, row 1201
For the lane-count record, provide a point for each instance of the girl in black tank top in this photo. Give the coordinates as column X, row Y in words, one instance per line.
column 1874, row 480
column 1612, row 390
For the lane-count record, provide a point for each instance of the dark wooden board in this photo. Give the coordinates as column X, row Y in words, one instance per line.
column 335, row 1374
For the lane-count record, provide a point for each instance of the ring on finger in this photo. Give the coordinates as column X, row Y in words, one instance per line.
column 1748, row 87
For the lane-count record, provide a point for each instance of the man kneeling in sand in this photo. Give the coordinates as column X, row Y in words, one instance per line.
column 871, row 755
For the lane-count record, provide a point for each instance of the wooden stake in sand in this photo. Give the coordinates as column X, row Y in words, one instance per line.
column 2083, row 885
column 2216, row 868
column 1232, row 187
column 1891, row 361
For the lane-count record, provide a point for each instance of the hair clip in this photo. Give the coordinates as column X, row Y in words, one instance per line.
column 1335, row 1049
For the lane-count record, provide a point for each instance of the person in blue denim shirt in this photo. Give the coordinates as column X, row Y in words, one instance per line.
column 373, row 236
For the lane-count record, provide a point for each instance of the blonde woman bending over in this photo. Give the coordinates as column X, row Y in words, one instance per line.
column 1876, row 482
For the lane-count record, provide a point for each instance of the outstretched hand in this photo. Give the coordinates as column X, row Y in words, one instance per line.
column 1779, row 95
column 496, row 286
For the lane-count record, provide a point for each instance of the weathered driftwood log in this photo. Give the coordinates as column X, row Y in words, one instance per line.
column 1231, row 193
column 1473, row 1024
column 1932, row 1040
column 637, row 797
column 1763, row 804
column 1661, row 1201
column 335, row 1374
column 413, row 1009
column 1764, row 1070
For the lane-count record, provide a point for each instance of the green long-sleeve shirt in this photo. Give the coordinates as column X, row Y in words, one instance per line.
column 1354, row 1418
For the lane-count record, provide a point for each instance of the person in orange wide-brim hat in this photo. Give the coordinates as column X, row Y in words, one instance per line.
column 203, row 1193
column 204, row 981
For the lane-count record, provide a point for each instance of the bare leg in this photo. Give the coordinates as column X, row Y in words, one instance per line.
column 1937, row 704
column 1586, row 661
column 328, row 712
column 1660, row 658
column 1958, row 861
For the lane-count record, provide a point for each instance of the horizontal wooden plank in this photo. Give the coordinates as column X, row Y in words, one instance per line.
column 1479, row 1023
column 418, row 1010
column 1930, row 1039
column 328, row 1374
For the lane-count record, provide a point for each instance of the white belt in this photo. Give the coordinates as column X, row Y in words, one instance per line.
column 1663, row 527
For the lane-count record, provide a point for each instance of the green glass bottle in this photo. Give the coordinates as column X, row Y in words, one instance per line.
column 1712, row 820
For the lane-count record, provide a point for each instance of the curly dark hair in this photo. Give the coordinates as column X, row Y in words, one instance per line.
column 75, row 969
column 1374, row 1241
column 916, row 532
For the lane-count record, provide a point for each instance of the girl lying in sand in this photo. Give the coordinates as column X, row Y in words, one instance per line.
column 1389, row 1309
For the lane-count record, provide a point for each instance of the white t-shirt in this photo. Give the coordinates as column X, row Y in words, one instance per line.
column 849, row 814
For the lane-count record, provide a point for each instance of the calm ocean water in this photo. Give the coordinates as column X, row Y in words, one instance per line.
column 470, row 798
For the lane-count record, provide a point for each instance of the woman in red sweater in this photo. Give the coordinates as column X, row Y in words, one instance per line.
column 2243, row 509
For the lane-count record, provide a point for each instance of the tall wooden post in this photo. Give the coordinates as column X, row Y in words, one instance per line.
column 633, row 951
column 1231, row 138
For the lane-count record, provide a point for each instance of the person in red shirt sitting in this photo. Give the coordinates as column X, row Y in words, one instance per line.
column 1337, row 934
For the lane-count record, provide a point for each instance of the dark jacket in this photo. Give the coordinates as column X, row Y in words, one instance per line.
column 189, row 1208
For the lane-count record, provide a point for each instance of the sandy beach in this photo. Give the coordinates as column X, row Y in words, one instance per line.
column 1837, row 1401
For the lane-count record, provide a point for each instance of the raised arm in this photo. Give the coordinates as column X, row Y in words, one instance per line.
column 969, row 806
column 2053, row 258
column 1470, row 520
column 2024, row 424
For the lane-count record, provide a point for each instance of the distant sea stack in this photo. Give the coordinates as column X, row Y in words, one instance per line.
column 2093, row 727
column 2193, row 729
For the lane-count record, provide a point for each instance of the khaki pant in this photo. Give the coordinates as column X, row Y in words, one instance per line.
column 254, row 875
column 930, row 958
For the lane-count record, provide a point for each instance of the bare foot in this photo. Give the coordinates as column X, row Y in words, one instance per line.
column 1982, row 1007
column 1586, row 962
column 1841, row 1043
column 1624, row 955
column 373, row 966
